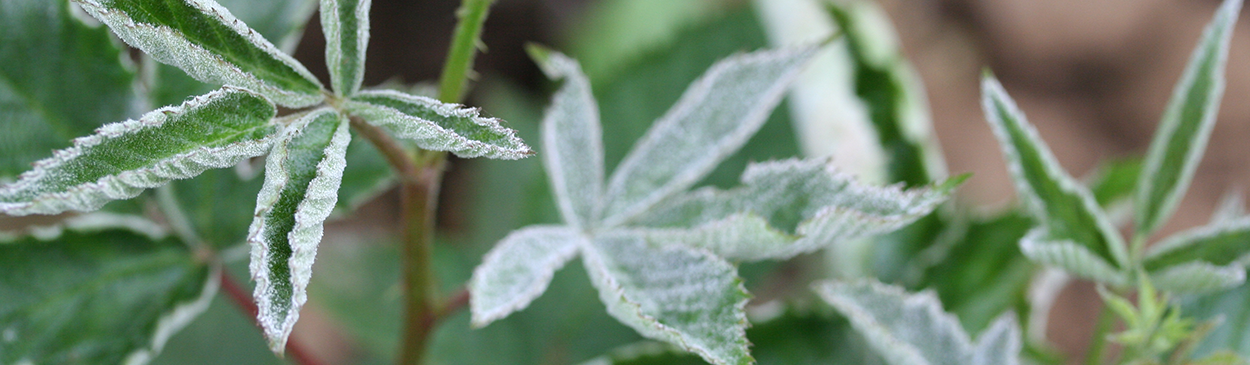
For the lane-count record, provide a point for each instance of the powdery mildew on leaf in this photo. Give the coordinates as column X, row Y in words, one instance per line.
column 1069, row 256
column 122, row 159
column 572, row 141
column 1202, row 259
column 785, row 208
column 1182, row 137
column 302, row 176
column 716, row 115
column 518, row 270
column 1065, row 207
column 687, row 297
column 911, row 329
column 210, row 44
column 346, row 27
column 438, row 126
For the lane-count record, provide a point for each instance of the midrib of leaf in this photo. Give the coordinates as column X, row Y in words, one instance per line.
column 281, row 219
column 1221, row 248
column 178, row 12
column 348, row 46
column 1068, row 212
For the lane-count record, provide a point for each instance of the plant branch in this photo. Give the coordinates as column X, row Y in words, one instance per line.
column 1098, row 343
column 464, row 46
column 453, row 304
column 419, row 200
column 243, row 300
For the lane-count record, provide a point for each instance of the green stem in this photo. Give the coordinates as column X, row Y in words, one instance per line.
column 464, row 45
column 1098, row 343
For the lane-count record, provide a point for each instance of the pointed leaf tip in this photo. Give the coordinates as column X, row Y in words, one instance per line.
column 438, row 126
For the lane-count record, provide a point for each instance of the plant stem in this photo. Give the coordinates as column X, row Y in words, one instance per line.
column 243, row 300
column 419, row 199
column 1098, row 343
column 464, row 45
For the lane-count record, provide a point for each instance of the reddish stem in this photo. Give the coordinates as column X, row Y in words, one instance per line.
column 243, row 300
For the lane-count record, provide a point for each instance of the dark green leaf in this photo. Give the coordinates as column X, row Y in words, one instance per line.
column 438, row 126
column 346, row 26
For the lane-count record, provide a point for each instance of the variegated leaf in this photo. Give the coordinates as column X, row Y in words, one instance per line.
column 346, row 26
column 911, row 329
column 438, row 126
column 122, row 159
column 210, row 44
column 1186, row 126
column 302, row 176
column 572, row 141
column 1066, row 208
column 714, row 118
column 786, row 208
column 1201, row 259
column 686, row 297
column 518, row 270
column 1038, row 245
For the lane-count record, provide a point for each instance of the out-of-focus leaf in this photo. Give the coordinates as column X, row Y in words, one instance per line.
column 96, row 291
column 438, row 126
column 620, row 32
column 984, row 274
column 1233, row 308
column 122, row 159
column 909, row 329
column 1201, row 259
column 1112, row 183
column 685, row 297
column 572, row 140
column 1187, row 123
column 518, row 270
column 59, row 79
column 1066, row 209
column 1232, row 206
column 1041, row 247
column 302, row 176
column 219, row 205
column 346, row 26
column 367, row 176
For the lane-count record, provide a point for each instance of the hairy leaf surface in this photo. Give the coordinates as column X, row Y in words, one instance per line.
column 1201, row 259
column 518, row 270
column 572, row 141
column 42, row 102
column 683, row 296
column 1067, row 209
column 122, row 159
column 302, row 176
column 96, row 292
column 210, row 44
column 911, row 329
column 346, row 26
column 786, row 208
column 438, row 126
column 713, row 119
column 1041, row 247
column 984, row 273
column 1186, row 126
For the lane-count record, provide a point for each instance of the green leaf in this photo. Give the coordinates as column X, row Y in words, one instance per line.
column 787, row 208
column 1201, row 259
column 346, row 26
column 210, row 44
column 713, row 119
column 48, row 62
column 518, row 270
column 100, row 290
column 366, row 177
column 616, row 33
column 1186, row 126
column 911, row 329
column 984, row 274
column 1042, row 247
column 302, row 176
column 1232, row 310
column 218, row 203
column 122, row 159
column 686, row 297
column 1067, row 209
column 1232, row 207
column 438, row 126
column 572, row 141
column 1113, row 182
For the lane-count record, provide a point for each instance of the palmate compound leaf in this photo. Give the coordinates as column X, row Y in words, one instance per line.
column 1186, row 126
column 786, row 208
column 101, row 289
column 346, row 27
column 437, row 126
column 48, row 58
column 122, row 159
column 716, row 115
column 210, row 44
column 572, row 141
column 302, row 176
column 911, row 329
column 1077, row 231
column 1202, row 259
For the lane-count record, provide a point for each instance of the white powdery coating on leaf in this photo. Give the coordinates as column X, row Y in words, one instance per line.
column 178, row 318
column 912, row 329
column 1198, row 277
column 429, row 135
column 686, row 297
column 1069, row 256
column 126, row 184
column 1190, row 237
column 332, row 27
column 310, row 215
column 519, row 269
column 994, row 95
column 715, row 116
column 170, row 47
column 573, row 144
